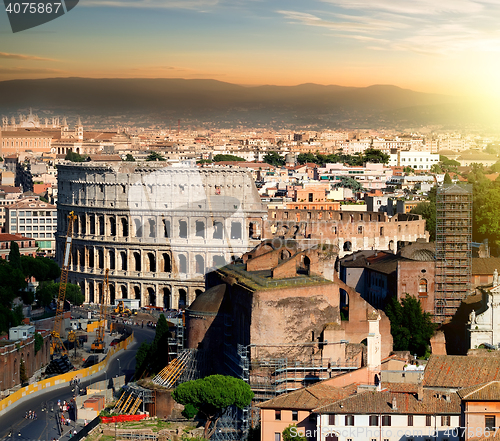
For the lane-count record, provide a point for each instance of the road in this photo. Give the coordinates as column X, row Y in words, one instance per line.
column 45, row 427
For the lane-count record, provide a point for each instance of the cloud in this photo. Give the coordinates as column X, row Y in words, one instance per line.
column 153, row 4
column 419, row 7
column 348, row 22
column 27, row 70
column 23, row 57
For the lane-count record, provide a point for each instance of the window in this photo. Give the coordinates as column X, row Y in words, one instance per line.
column 428, row 421
column 445, row 420
column 349, row 420
column 331, row 420
column 277, row 436
column 277, row 415
column 386, row 420
column 489, row 422
column 422, row 287
column 295, row 415
column 373, row 420
column 410, row 420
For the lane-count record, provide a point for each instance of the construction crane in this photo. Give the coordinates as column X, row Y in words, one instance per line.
column 98, row 344
column 57, row 345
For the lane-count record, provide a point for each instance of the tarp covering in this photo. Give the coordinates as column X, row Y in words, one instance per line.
column 122, row 418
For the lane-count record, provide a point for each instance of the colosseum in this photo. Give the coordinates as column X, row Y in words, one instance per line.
column 158, row 229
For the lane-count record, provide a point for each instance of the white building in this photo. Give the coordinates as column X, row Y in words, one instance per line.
column 484, row 324
column 416, row 160
column 33, row 218
column 391, row 416
column 21, row 332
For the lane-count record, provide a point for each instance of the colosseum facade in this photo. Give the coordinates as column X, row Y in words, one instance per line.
column 158, row 229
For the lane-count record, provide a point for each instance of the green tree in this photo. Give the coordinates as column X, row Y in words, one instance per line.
column 436, row 169
column 129, row 158
column 302, row 158
column 411, row 328
column 221, row 158
column 428, row 212
column 38, row 341
column 74, row 157
column 376, row 156
column 213, row 395
column 292, row 433
column 348, row 182
column 141, row 360
column 189, row 411
column 448, row 165
column 47, row 291
column 487, row 215
column 447, row 179
column 15, row 255
column 274, row 158
column 22, row 372
column 155, row 156
column 408, row 170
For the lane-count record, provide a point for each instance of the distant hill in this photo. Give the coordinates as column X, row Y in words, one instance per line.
column 212, row 100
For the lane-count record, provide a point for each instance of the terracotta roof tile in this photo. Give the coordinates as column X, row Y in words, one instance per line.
column 484, row 392
column 309, row 397
column 456, row 371
column 406, row 403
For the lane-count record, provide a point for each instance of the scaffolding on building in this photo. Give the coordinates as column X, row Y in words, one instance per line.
column 132, row 398
column 270, row 377
column 453, row 249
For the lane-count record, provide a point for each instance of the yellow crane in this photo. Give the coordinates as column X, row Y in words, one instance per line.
column 57, row 344
column 98, row 344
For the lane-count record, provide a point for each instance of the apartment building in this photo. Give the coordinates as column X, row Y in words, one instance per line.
column 414, row 159
column 35, row 219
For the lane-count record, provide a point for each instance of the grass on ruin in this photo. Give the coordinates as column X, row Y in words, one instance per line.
column 154, row 425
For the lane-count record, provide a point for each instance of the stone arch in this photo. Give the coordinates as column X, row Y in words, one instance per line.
column 151, row 296
column 200, row 264
column 183, row 229
column 344, row 304
column 100, row 258
column 236, row 230
column 167, row 264
column 138, row 227
column 90, row 252
column 347, row 246
column 123, row 260
column 285, row 254
column 183, row 268
column 151, row 259
column 137, row 260
column 219, row 261
column 254, row 230
column 167, row 298
column 100, row 292
column 92, row 224
column 152, row 227
column 198, row 292
column 200, row 228
column 112, row 294
column 91, row 292
column 112, row 226
column 124, row 292
column 218, row 230
column 391, row 245
column 83, row 225
column 101, row 226
column 182, row 298
column 124, row 226
column 111, row 256
column 137, row 292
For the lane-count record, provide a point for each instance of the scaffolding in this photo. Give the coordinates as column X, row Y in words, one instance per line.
column 453, row 249
column 132, row 397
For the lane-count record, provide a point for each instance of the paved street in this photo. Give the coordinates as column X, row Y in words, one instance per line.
column 45, row 427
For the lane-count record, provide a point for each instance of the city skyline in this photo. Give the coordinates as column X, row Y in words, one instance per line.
column 448, row 47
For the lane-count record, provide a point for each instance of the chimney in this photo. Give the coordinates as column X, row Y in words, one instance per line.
column 420, row 391
column 394, row 404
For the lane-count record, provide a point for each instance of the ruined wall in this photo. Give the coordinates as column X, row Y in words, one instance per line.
column 417, row 279
column 11, row 353
column 348, row 231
